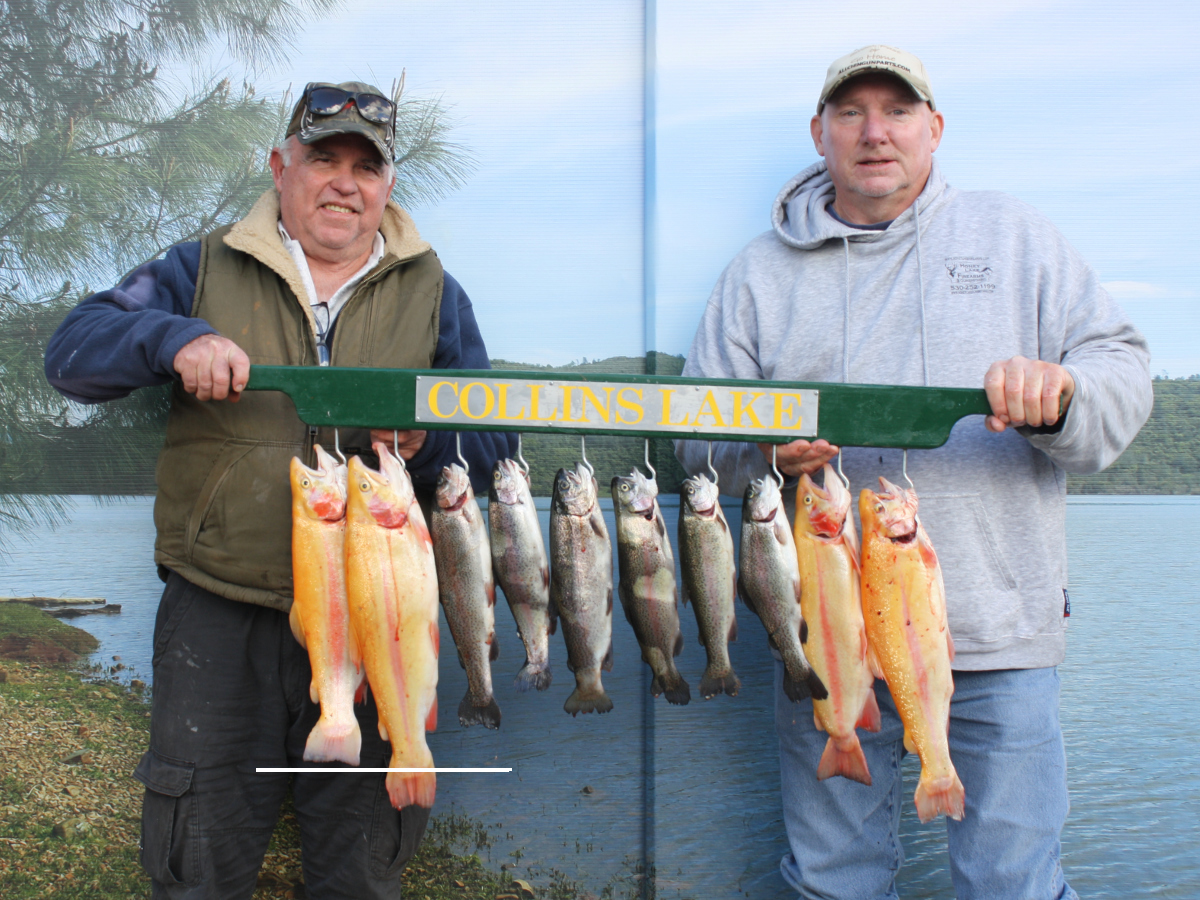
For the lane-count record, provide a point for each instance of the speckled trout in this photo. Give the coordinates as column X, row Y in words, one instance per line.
column 581, row 585
column 769, row 583
column 519, row 563
column 467, row 591
column 647, row 584
column 319, row 617
column 709, row 580
column 904, row 604
column 834, row 639
column 391, row 583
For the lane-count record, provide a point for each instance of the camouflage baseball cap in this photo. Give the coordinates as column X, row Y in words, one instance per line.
column 352, row 107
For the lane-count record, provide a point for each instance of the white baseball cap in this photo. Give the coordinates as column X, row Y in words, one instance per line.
column 878, row 58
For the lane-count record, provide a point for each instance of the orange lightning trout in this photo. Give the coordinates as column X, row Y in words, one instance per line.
column 904, row 604
column 834, row 639
column 319, row 617
column 391, row 582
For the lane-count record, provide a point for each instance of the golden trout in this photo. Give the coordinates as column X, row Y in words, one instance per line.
column 904, row 604
column 391, row 583
column 319, row 617
column 833, row 635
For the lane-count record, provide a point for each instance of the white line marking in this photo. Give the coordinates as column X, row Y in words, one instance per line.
column 351, row 771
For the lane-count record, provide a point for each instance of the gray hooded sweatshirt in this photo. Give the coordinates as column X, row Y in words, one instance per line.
column 985, row 278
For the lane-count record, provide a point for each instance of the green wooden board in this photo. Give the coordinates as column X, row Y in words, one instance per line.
column 855, row 415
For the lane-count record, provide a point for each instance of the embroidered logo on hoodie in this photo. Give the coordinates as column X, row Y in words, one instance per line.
column 970, row 275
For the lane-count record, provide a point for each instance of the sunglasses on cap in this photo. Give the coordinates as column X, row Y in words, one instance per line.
column 327, row 100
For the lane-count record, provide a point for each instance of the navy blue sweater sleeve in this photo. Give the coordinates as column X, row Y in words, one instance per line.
column 460, row 346
column 125, row 338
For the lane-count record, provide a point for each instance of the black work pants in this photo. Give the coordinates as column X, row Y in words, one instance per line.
column 231, row 693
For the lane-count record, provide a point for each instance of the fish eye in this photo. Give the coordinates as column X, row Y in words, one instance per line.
column 624, row 487
column 304, row 483
column 808, row 499
column 878, row 507
column 364, row 486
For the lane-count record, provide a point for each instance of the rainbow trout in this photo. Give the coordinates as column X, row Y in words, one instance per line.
column 647, row 585
column 581, row 585
column 904, row 604
column 391, row 584
column 467, row 591
column 319, row 616
column 709, row 580
column 769, row 583
column 519, row 562
column 835, row 639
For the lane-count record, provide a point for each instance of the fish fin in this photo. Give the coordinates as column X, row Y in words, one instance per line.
column 435, row 636
column 431, row 718
column 312, row 692
column 553, row 622
column 798, row 689
column 598, row 526
column 780, row 530
column 683, row 591
column 713, row 683
column 332, row 740
column 607, row 664
column 530, row 677
column 744, row 594
column 847, row 760
column 412, row 788
column 678, row 648
column 940, row 796
column 587, row 698
column 608, row 607
column 490, row 589
column 869, row 717
column 817, row 686
column 873, row 662
column 383, row 732
column 677, row 690
column 469, row 714
column 732, row 631
column 803, row 632
column 298, row 628
column 909, row 744
column 360, row 693
column 494, row 652
column 546, row 577
column 817, row 723
column 950, row 645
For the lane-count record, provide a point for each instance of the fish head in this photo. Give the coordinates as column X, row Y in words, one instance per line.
column 892, row 512
column 762, row 501
column 319, row 493
column 510, row 484
column 386, row 495
column 700, row 496
column 454, row 488
column 575, row 491
column 635, row 494
column 822, row 510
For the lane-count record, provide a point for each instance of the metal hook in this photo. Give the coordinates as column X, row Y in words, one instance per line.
column 774, row 465
column 653, row 474
column 583, row 453
column 520, row 457
column 715, row 476
column 337, row 447
column 904, row 469
column 458, row 449
column 841, row 474
column 396, row 448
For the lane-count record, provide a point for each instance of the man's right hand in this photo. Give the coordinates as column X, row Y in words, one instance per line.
column 213, row 368
column 800, row 457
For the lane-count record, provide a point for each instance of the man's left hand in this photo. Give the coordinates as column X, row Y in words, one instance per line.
column 1026, row 392
column 407, row 442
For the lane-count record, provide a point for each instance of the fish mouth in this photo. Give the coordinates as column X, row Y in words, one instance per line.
column 769, row 517
column 458, row 503
column 709, row 512
column 907, row 538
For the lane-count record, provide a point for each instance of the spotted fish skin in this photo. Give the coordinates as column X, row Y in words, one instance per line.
column 647, row 586
column 581, row 585
column 391, row 585
column 904, row 605
column 836, row 638
column 709, row 580
column 521, row 569
column 769, row 583
column 467, row 591
column 319, row 617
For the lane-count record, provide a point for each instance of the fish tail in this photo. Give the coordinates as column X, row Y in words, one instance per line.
column 533, row 677
column 412, row 788
column 670, row 682
column 940, row 796
column 334, row 740
column 719, row 681
column 844, row 758
column 469, row 714
column 588, row 696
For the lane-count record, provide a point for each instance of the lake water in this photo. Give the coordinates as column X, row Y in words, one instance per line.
column 700, row 783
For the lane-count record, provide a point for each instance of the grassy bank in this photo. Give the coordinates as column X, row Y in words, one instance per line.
column 70, row 811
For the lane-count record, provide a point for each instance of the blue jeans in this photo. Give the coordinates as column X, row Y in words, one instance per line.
column 1005, row 742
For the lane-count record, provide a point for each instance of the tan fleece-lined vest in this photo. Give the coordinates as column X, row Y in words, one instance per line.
column 223, row 510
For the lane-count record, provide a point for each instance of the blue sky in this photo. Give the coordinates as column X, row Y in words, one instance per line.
column 1082, row 109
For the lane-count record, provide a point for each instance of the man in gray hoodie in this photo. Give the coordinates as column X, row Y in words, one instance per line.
column 877, row 271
